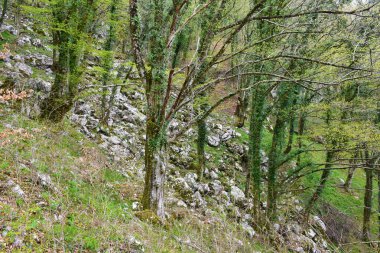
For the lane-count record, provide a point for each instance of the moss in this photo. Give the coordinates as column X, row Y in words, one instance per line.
column 148, row 215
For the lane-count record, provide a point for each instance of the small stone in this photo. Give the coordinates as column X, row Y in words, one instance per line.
column 15, row 188
column 216, row 187
column 181, row 203
column 45, row 180
column 136, row 206
column 114, row 140
column 311, row 233
column 320, row 223
column 135, row 244
column 36, row 42
column 213, row 175
column 324, row 244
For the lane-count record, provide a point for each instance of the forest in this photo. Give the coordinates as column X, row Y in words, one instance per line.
column 190, row 126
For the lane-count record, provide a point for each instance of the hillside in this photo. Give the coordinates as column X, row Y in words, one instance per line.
column 114, row 141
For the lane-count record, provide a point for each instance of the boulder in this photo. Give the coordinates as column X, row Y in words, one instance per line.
column 24, row 69
column 228, row 135
column 216, row 187
column 213, row 141
column 191, row 180
column 181, row 186
column 237, row 195
column 198, row 201
column 39, row 85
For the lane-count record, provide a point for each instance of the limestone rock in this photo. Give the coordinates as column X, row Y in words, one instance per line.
column 213, row 141
column 237, row 195
column 24, row 69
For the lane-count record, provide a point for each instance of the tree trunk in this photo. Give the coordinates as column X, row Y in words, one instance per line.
column 155, row 166
column 366, row 232
column 292, row 120
column 61, row 97
column 291, row 135
column 350, row 172
column 241, row 106
column 276, row 151
column 322, row 184
column 301, row 129
column 107, row 66
column 202, row 133
column 378, row 204
column 67, row 65
column 255, row 137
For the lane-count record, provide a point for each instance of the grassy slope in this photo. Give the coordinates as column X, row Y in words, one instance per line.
column 90, row 209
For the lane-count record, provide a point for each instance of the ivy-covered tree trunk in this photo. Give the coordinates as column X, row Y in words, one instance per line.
column 286, row 91
column 322, row 184
column 301, row 129
column 290, row 134
column 292, row 119
column 368, row 192
column 201, row 142
column 155, row 168
column 155, row 89
column 256, row 123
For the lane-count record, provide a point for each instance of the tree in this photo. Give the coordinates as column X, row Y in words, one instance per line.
column 71, row 23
